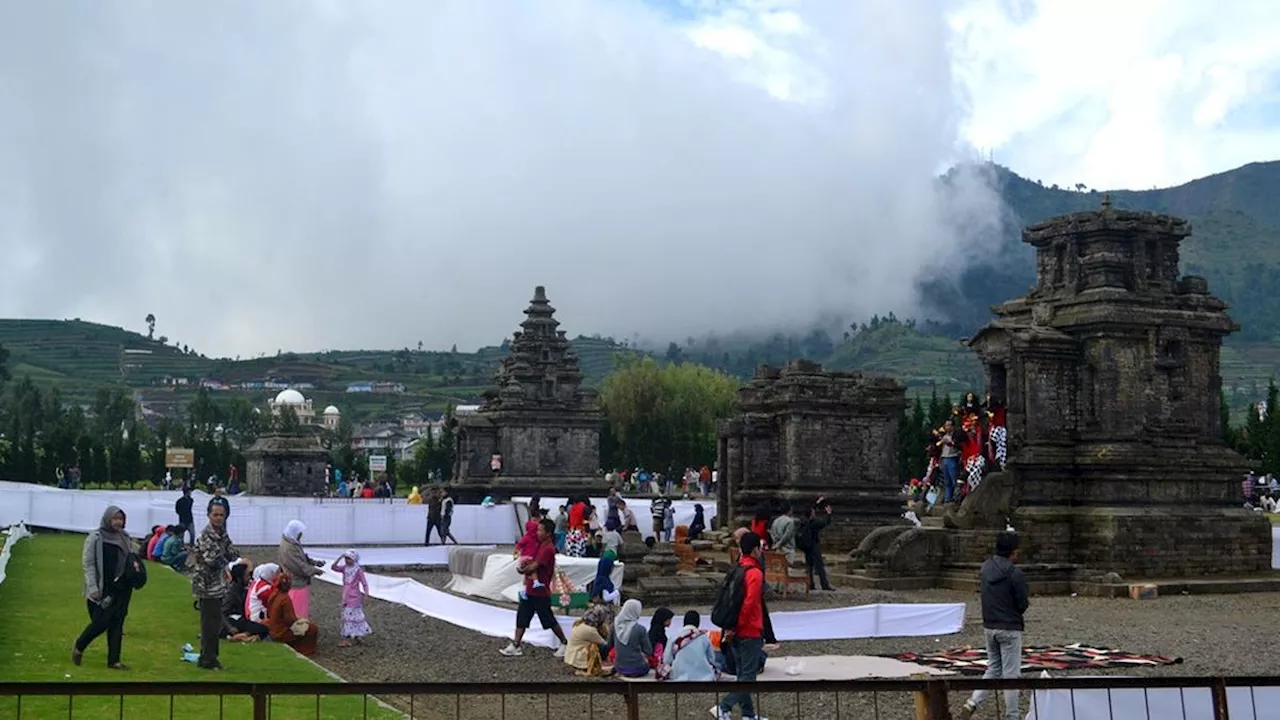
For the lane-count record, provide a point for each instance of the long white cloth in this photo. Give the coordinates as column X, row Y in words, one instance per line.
column 1262, row 703
column 1275, row 548
column 884, row 620
column 502, row 581
column 15, row 533
column 433, row 556
column 259, row 520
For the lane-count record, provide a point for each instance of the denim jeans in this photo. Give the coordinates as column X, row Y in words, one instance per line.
column 950, row 473
column 1004, row 660
column 746, row 656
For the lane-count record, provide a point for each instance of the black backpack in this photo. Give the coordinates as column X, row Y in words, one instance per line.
column 724, row 614
column 134, row 574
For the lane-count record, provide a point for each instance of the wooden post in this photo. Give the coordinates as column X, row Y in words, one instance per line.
column 939, row 707
column 1219, row 692
column 922, row 700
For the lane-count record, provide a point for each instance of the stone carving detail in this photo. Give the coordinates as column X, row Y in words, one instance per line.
column 538, row 417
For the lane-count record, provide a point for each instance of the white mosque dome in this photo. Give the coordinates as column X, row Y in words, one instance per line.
column 290, row 397
column 332, row 410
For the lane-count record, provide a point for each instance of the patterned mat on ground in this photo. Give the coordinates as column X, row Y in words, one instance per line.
column 973, row 661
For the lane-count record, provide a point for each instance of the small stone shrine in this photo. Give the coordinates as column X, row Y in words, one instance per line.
column 1110, row 372
column 539, row 419
column 805, row 432
column 287, row 465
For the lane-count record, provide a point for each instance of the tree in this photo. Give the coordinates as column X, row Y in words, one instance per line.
column 661, row 415
column 151, row 325
column 287, row 422
column 4, row 365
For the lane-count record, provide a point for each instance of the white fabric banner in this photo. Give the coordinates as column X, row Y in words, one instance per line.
column 434, row 556
column 502, row 581
column 886, row 620
column 1275, row 547
column 15, row 533
column 1262, row 703
column 259, row 520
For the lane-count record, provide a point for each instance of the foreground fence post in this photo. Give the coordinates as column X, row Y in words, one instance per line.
column 632, row 698
column 922, row 699
column 1219, row 691
column 939, row 705
column 259, row 703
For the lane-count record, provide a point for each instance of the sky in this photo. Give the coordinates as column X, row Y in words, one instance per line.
column 312, row 174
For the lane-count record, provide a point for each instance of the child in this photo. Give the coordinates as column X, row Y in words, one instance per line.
column 354, row 590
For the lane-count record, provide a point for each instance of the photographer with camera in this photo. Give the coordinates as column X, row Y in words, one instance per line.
column 809, row 540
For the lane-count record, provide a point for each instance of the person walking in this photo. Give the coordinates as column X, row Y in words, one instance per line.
column 185, row 519
column 106, row 551
column 433, row 515
column 745, row 640
column 1004, row 602
column 809, row 542
column 535, row 599
column 208, row 562
column 658, row 512
column 446, row 517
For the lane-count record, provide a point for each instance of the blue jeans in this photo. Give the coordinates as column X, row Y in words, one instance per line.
column 746, row 656
column 1004, row 660
column 950, row 473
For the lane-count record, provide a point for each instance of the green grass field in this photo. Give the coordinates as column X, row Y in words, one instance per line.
column 43, row 613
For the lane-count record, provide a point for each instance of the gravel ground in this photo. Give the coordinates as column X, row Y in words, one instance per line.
column 1207, row 631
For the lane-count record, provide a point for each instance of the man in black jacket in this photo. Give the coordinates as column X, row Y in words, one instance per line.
column 809, row 541
column 1004, row 601
column 185, row 519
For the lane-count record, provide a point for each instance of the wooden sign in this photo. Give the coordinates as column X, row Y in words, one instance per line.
column 180, row 458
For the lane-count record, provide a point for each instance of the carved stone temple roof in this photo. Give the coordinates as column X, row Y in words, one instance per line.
column 542, row 370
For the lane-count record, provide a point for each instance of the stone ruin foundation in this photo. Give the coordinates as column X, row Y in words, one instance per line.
column 1117, row 468
column 287, row 465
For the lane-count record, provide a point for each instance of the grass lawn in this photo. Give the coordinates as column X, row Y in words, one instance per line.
column 43, row 613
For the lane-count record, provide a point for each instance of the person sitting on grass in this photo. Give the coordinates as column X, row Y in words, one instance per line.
column 236, row 624
column 174, row 552
column 283, row 625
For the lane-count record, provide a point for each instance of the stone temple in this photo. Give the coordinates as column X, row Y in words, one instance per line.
column 539, row 423
column 1117, row 469
column 1110, row 371
column 805, row 432
column 287, row 465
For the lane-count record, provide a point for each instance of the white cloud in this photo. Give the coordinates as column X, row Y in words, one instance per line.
column 1128, row 94
column 294, row 175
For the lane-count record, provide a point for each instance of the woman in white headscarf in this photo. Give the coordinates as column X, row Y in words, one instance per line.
column 293, row 559
column 255, row 602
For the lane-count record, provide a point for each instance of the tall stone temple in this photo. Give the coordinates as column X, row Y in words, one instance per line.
column 539, row 426
column 1110, row 371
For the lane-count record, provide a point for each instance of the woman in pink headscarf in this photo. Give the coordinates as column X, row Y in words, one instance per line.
column 355, row 588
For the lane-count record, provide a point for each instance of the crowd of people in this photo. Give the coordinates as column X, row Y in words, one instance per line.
column 701, row 481
column 236, row 599
column 970, row 443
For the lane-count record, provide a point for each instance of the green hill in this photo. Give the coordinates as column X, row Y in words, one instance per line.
column 78, row 357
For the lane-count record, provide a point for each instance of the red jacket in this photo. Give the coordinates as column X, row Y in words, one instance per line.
column 751, row 616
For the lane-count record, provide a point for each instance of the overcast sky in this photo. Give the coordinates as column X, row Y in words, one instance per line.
column 308, row 174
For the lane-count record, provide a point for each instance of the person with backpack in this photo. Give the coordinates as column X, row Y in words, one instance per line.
column 110, row 575
column 739, row 611
column 1004, row 601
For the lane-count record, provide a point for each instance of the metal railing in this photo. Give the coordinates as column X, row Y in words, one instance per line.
column 929, row 698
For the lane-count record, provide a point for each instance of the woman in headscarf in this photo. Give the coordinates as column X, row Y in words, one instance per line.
column 415, row 497
column 690, row 657
column 587, row 643
column 106, row 550
column 255, row 603
column 699, row 524
column 658, row 625
column 631, row 644
column 284, row 623
column 603, row 581
column 236, row 624
column 355, row 588
column 293, row 560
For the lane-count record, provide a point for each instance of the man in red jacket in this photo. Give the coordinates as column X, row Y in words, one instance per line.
column 746, row 639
